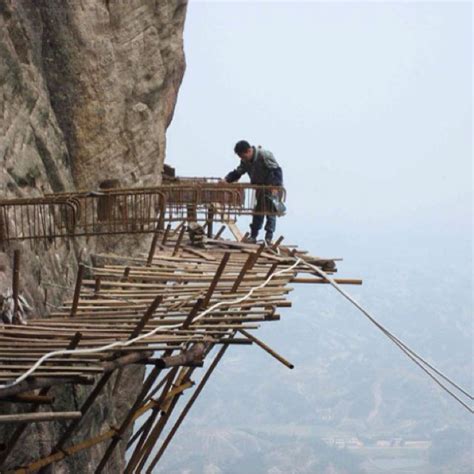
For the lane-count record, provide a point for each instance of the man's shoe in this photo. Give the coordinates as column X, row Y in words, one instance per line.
column 269, row 238
column 251, row 240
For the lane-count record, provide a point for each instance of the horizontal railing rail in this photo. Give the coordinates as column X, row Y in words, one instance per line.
column 134, row 210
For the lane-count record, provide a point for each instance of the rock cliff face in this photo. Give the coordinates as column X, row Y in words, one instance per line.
column 87, row 90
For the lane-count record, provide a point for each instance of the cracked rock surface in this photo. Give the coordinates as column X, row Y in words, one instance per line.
column 87, row 91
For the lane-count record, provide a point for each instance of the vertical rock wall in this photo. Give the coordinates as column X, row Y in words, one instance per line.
column 87, row 90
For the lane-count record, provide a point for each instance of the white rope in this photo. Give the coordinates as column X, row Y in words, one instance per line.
column 129, row 342
column 401, row 345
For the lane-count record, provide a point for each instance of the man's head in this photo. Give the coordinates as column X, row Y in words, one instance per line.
column 243, row 150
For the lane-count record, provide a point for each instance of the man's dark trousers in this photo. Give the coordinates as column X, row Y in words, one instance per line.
column 257, row 220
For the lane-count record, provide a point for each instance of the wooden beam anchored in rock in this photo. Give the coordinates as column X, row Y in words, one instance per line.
column 39, row 417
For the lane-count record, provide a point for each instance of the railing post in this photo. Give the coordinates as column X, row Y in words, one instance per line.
column 210, row 221
column 15, row 283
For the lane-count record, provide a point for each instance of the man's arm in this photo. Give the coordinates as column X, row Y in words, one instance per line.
column 235, row 175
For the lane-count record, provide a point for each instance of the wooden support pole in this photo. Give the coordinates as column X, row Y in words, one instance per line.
column 97, row 286
column 156, row 389
column 215, row 280
column 16, row 283
column 39, row 417
column 129, row 418
column 39, row 382
column 3, row 229
column 219, row 232
column 150, row 380
column 277, row 242
column 151, row 252
column 267, row 348
column 249, row 263
column 30, row 398
column 242, row 273
column 160, row 225
column 105, row 378
column 136, row 332
column 210, row 220
column 271, row 270
column 197, row 306
column 147, row 401
column 170, row 396
column 186, row 409
column 77, row 290
column 146, row 441
column 76, row 448
column 178, row 228
column 104, row 310
column 256, row 255
column 126, row 274
column 131, row 358
column 178, row 242
column 146, row 317
column 166, row 406
column 166, row 234
column 42, row 393
column 195, row 354
column 235, row 231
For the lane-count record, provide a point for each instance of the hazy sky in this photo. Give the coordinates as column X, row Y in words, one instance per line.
column 368, row 109
column 366, row 106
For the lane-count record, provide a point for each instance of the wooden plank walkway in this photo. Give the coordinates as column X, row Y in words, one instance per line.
column 181, row 302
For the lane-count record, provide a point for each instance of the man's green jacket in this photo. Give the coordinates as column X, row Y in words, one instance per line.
column 262, row 169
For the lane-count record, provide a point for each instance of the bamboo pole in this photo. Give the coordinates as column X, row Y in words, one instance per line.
column 145, row 440
column 186, row 409
column 30, row 398
column 178, row 242
column 104, row 379
column 341, row 281
column 154, row 241
column 128, row 419
column 216, row 279
column 77, row 290
column 42, row 393
column 39, row 417
column 219, row 233
column 267, row 348
column 40, row 382
column 167, row 407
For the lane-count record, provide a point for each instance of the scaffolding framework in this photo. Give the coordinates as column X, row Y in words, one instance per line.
column 186, row 304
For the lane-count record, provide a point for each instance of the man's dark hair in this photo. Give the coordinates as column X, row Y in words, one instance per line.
column 241, row 147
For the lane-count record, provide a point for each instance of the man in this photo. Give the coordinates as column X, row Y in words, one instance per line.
column 262, row 168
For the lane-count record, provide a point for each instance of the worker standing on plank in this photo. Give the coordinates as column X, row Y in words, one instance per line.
column 263, row 169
